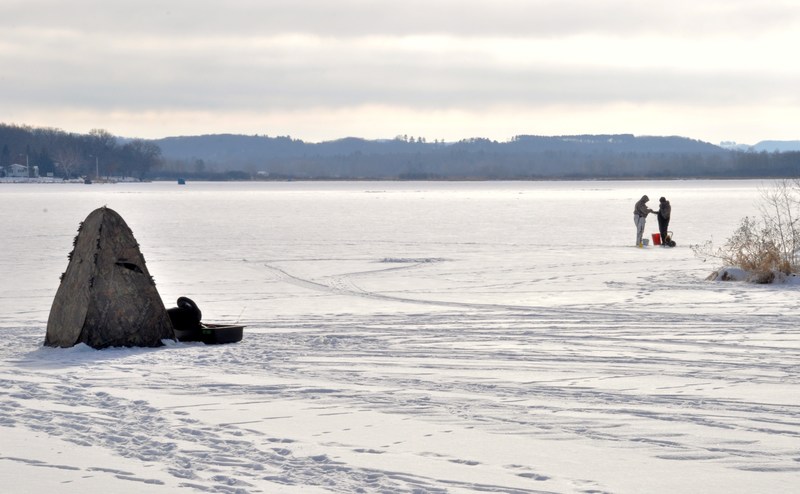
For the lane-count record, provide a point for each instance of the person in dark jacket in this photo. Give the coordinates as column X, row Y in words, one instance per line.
column 640, row 212
column 664, row 211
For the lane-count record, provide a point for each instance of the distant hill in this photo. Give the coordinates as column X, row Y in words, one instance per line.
column 777, row 146
column 523, row 157
column 619, row 143
column 735, row 146
column 236, row 151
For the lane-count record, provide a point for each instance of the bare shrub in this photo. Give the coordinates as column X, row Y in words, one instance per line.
column 765, row 246
column 780, row 215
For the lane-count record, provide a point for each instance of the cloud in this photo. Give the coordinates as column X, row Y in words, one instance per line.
column 133, row 60
column 345, row 18
column 293, row 72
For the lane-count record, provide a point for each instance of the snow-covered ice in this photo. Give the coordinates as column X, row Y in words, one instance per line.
column 405, row 337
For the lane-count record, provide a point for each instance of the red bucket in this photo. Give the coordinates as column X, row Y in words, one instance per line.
column 656, row 239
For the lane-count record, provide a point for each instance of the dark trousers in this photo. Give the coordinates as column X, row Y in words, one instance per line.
column 663, row 226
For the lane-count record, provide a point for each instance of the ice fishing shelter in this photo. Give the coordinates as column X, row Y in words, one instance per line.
column 107, row 297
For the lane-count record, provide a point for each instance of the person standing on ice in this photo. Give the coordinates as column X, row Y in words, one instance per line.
column 640, row 212
column 664, row 210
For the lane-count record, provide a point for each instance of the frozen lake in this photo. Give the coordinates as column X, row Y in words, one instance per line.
column 507, row 243
column 406, row 337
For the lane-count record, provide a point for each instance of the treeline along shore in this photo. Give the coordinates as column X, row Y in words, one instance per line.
column 62, row 154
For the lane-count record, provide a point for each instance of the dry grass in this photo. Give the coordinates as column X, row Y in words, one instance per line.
column 764, row 247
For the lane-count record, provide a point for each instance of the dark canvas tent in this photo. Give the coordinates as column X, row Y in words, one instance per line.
column 107, row 297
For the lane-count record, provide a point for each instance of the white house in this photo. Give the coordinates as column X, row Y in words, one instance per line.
column 21, row 171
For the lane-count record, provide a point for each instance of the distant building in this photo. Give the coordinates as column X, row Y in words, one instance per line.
column 17, row 171
column 21, row 171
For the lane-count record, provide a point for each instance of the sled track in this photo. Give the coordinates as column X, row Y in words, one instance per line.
column 344, row 285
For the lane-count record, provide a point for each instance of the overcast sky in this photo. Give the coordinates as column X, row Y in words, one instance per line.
column 442, row 69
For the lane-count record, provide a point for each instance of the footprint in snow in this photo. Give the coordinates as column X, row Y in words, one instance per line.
column 534, row 476
column 369, row 451
column 470, row 463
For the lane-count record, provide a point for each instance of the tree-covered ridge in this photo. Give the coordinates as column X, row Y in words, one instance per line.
column 71, row 155
column 240, row 157
column 523, row 157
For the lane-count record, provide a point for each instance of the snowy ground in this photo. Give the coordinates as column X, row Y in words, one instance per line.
column 405, row 337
